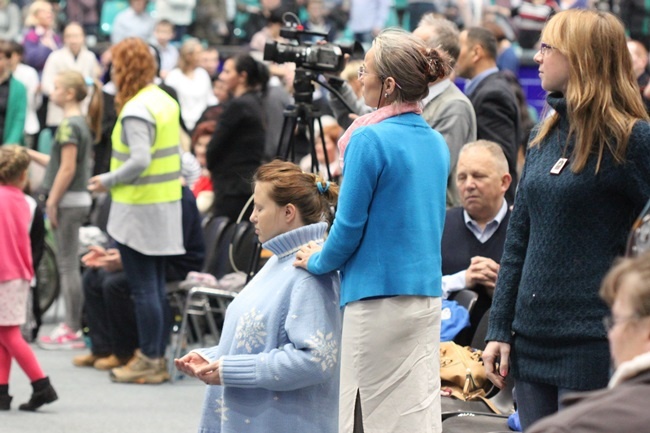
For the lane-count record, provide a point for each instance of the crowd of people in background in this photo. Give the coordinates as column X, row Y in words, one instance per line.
column 164, row 113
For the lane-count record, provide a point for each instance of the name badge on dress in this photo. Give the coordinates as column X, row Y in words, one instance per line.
column 559, row 166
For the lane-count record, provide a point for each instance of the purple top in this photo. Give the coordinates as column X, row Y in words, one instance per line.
column 36, row 52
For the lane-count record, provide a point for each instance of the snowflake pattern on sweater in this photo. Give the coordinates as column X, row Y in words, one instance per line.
column 325, row 349
column 251, row 331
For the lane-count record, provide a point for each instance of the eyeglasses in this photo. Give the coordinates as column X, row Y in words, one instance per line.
column 610, row 321
column 363, row 71
column 545, row 48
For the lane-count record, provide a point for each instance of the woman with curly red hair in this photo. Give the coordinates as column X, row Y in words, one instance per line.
column 145, row 217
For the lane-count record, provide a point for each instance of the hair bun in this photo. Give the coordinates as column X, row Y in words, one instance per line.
column 439, row 64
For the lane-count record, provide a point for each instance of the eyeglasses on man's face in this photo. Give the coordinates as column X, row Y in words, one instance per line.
column 545, row 48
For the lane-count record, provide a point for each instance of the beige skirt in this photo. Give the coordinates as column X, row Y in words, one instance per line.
column 13, row 302
column 390, row 356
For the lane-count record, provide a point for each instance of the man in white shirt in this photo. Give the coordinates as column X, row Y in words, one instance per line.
column 134, row 21
column 474, row 234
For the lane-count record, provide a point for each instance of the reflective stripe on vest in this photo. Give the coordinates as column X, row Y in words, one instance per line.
column 159, row 182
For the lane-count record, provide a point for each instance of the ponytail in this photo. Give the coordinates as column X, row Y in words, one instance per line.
column 96, row 110
column 257, row 74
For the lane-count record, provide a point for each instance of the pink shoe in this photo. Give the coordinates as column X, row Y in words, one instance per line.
column 62, row 337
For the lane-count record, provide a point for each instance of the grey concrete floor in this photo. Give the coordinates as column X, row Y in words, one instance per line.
column 90, row 403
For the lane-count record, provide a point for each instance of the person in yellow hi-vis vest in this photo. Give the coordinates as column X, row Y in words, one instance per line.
column 145, row 216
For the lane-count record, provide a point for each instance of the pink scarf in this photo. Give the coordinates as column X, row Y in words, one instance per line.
column 376, row 117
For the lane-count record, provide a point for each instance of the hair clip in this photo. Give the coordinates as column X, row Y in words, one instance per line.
column 323, row 189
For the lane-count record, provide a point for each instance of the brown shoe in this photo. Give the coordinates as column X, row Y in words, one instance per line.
column 110, row 362
column 141, row 369
column 87, row 360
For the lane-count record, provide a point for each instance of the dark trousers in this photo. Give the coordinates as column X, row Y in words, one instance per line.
column 146, row 278
column 537, row 400
column 110, row 314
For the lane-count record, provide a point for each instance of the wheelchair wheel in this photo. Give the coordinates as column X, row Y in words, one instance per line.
column 47, row 279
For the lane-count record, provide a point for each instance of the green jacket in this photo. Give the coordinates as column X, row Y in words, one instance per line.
column 14, row 126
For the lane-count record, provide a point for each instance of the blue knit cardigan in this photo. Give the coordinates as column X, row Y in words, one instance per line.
column 388, row 228
column 564, row 233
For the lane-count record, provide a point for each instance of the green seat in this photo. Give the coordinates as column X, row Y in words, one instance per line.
column 110, row 9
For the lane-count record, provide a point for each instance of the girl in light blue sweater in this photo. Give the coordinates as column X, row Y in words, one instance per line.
column 276, row 366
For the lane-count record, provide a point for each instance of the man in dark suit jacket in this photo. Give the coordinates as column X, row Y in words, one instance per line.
column 474, row 234
column 495, row 104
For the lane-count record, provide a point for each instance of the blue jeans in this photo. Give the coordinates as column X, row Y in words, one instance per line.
column 146, row 277
column 537, row 400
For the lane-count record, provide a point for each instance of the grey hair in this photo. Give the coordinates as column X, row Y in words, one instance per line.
column 446, row 35
column 405, row 58
column 493, row 148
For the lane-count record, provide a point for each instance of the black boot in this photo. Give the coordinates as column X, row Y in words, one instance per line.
column 43, row 394
column 5, row 402
column 5, row 398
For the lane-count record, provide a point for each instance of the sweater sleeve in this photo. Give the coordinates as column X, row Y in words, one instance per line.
column 312, row 326
column 637, row 167
column 138, row 134
column 363, row 166
column 502, row 312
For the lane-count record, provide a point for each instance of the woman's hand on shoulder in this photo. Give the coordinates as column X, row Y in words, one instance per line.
column 305, row 252
column 496, row 359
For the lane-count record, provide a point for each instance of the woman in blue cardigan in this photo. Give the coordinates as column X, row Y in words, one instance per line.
column 276, row 366
column 586, row 178
column 386, row 242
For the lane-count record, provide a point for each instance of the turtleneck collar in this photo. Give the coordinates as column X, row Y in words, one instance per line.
column 558, row 102
column 290, row 242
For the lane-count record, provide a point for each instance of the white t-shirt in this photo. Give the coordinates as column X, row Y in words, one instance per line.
column 194, row 94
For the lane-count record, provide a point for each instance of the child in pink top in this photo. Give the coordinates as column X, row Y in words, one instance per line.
column 16, row 271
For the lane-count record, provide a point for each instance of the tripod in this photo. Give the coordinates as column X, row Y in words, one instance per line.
column 302, row 113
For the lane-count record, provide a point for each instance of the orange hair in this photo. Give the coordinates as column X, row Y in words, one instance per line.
column 134, row 68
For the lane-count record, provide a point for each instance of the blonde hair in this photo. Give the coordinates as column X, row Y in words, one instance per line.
column 289, row 184
column 603, row 100
column 636, row 272
column 14, row 160
column 351, row 71
column 34, row 9
column 187, row 49
column 406, row 58
column 73, row 80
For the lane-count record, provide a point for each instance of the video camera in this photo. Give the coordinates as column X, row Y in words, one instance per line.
column 327, row 57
